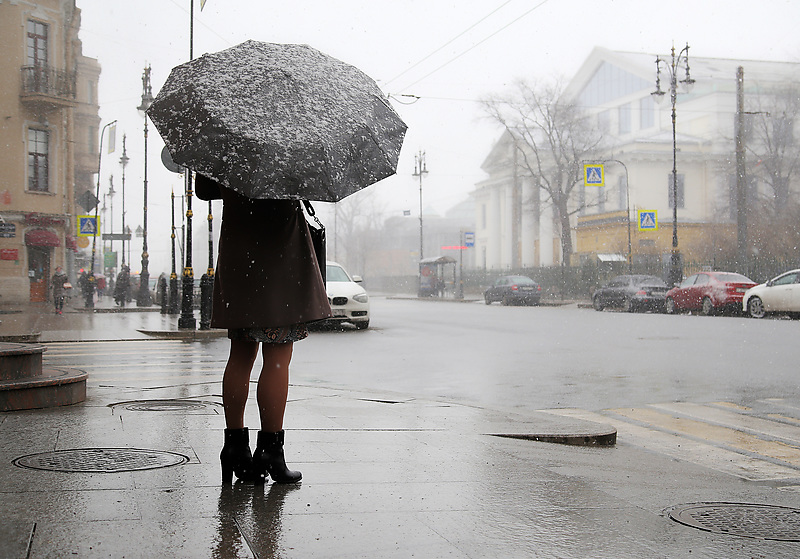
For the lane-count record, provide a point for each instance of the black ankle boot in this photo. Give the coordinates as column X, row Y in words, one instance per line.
column 269, row 458
column 237, row 458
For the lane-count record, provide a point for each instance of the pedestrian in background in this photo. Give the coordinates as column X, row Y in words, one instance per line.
column 122, row 286
column 59, row 282
column 267, row 287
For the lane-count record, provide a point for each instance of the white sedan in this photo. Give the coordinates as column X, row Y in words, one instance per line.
column 349, row 301
column 778, row 295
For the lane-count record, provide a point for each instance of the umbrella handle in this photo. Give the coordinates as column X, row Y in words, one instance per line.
column 312, row 213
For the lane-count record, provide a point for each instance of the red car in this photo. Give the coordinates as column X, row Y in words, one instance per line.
column 709, row 292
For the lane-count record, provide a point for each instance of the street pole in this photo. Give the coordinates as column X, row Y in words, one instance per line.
column 676, row 268
column 741, row 179
column 173, row 277
column 207, row 280
column 88, row 292
column 124, row 162
column 143, row 298
column 186, row 320
column 420, row 170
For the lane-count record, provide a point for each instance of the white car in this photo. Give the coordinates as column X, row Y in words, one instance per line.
column 780, row 294
column 349, row 301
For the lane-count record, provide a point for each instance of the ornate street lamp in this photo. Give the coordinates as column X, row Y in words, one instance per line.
column 143, row 298
column 672, row 66
column 124, row 162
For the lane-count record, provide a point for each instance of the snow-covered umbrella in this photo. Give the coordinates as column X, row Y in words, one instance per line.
column 279, row 121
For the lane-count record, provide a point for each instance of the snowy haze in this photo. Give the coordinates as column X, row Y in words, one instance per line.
column 435, row 57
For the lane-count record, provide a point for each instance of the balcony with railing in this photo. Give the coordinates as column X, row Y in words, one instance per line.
column 44, row 88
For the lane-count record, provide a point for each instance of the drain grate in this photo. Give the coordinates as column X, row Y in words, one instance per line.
column 766, row 522
column 167, row 405
column 100, row 460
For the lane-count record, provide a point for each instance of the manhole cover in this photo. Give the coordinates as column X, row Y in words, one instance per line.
column 167, row 405
column 766, row 522
column 100, row 460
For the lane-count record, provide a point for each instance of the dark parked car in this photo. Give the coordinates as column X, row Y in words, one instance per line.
column 632, row 293
column 709, row 292
column 511, row 290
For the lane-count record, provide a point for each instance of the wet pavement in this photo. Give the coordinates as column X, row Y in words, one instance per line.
column 134, row 470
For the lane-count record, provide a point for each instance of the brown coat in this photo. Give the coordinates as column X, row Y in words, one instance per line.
column 267, row 272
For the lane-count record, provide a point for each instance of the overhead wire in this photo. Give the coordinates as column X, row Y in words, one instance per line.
column 404, row 72
column 503, row 28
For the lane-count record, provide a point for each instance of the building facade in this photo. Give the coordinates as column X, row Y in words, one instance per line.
column 515, row 228
column 48, row 133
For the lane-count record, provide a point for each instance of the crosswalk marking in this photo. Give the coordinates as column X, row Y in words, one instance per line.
column 773, row 429
column 732, row 438
column 724, row 449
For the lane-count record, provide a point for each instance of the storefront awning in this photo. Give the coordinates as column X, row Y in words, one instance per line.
column 41, row 238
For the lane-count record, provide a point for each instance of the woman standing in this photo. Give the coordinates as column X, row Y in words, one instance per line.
column 267, row 287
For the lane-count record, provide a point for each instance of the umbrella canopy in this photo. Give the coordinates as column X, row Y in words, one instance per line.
column 279, row 121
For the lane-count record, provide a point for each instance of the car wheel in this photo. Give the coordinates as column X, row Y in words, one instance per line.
column 670, row 306
column 708, row 307
column 755, row 306
column 597, row 304
column 486, row 298
column 362, row 325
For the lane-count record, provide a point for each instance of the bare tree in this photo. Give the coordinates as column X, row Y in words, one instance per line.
column 358, row 228
column 775, row 151
column 552, row 136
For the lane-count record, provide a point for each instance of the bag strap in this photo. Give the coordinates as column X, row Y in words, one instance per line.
column 312, row 213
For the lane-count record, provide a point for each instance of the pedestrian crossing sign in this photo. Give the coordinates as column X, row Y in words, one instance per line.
column 87, row 226
column 648, row 220
column 593, row 174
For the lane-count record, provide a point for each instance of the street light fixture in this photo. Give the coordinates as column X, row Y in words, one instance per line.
column 672, row 66
column 143, row 298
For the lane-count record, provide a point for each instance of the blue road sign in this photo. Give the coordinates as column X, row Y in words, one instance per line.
column 648, row 220
column 593, row 174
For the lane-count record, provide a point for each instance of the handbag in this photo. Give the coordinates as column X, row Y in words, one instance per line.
column 318, row 240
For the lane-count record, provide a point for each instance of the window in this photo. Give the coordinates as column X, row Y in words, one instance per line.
column 625, row 118
column 90, row 97
column 37, row 43
column 92, row 140
column 622, row 189
column 604, row 120
column 680, row 191
column 647, row 112
column 38, row 141
column 601, row 200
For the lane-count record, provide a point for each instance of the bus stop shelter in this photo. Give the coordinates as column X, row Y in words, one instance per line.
column 434, row 273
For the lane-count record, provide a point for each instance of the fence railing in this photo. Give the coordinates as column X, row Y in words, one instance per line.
column 46, row 80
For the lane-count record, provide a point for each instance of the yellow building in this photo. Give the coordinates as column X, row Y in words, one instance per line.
column 48, row 135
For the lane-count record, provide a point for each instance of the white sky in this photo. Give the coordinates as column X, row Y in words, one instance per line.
column 448, row 52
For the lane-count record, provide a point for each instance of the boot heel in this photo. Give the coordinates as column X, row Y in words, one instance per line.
column 227, row 474
column 236, row 457
column 269, row 458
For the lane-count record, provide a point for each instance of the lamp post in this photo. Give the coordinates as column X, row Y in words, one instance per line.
column 420, row 170
column 172, row 308
column 186, row 320
column 124, row 162
column 143, row 298
column 672, row 66
column 89, row 286
column 111, row 193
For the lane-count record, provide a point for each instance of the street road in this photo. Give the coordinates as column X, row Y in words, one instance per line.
column 720, row 392
column 548, row 357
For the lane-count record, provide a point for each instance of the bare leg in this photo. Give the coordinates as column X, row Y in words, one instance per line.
column 273, row 385
column 236, row 381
